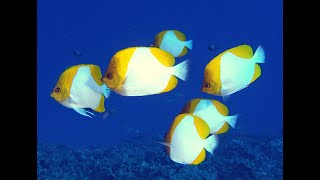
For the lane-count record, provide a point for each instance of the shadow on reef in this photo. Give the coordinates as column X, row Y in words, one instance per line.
column 237, row 157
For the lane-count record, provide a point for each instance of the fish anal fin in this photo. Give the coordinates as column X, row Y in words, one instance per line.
column 172, row 83
column 200, row 157
column 257, row 73
column 101, row 107
column 183, row 52
column 223, row 129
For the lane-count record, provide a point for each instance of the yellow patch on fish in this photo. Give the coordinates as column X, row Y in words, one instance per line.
column 202, row 127
column 179, row 35
column 117, row 69
column 96, row 74
column 101, row 105
column 223, row 129
column 212, row 82
column 200, row 157
column 223, row 109
column 163, row 57
column 62, row 89
column 191, row 106
column 171, row 84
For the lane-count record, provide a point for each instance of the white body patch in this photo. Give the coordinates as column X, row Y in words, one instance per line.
column 235, row 72
column 172, row 44
column 186, row 143
column 145, row 74
column 209, row 113
column 84, row 92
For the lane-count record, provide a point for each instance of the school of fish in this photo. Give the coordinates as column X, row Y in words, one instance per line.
column 143, row 71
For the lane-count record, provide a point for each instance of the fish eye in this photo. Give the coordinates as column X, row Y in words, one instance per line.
column 207, row 85
column 57, row 90
column 109, row 76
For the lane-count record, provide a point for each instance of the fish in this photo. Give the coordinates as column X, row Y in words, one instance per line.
column 232, row 70
column 142, row 71
column 213, row 112
column 80, row 87
column 77, row 53
column 173, row 41
column 188, row 139
column 212, row 48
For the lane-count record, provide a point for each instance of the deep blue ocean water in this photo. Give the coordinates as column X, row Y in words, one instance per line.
column 75, row 32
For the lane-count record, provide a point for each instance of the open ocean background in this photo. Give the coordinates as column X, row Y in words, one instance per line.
column 119, row 144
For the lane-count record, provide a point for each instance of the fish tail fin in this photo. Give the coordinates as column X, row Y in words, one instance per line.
column 189, row 44
column 105, row 90
column 231, row 120
column 181, row 70
column 259, row 55
column 211, row 143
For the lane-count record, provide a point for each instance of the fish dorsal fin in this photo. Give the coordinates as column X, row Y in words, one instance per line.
column 221, row 108
column 242, row 51
column 163, row 57
column 179, row 35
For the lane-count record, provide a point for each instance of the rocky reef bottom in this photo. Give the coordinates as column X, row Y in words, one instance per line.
column 237, row 157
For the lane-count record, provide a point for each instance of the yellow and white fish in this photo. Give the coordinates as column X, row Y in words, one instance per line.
column 188, row 139
column 80, row 87
column 141, row 71
column 232, row 70
column 213, row 112
column 173, row 41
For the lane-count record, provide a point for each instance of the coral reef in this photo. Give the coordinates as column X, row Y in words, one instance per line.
column 237, row 157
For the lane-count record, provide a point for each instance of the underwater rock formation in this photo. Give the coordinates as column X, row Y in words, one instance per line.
column 237, row 157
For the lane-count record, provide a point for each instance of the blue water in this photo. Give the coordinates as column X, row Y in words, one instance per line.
column 75, row 31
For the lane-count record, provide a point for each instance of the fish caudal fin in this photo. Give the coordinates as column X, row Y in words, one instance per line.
column 189, row 44
column 259, row 55
column 105, row 91
column 231, row 120
column 181, row 70
column 211, row 143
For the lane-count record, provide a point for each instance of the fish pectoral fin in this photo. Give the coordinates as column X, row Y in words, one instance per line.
column 72, row 101
column 164, row 143
column 228, row 91
column 83, row 112
column 225, row 97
